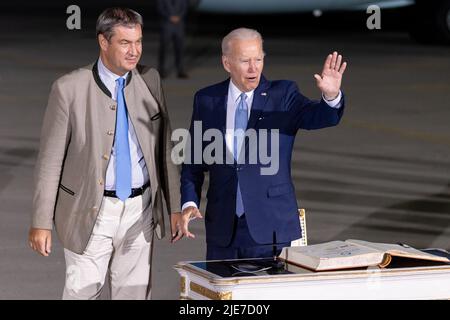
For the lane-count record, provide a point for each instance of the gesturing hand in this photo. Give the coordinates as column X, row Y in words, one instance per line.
column 329, row 82
column 181, row 230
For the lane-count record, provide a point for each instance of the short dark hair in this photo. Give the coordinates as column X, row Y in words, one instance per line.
column 112, row 17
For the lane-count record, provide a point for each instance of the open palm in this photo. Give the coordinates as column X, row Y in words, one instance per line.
column 329, row 82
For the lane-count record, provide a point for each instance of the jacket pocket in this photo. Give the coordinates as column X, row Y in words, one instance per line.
column 156, row 116
column 280, row 189
column 66, row 189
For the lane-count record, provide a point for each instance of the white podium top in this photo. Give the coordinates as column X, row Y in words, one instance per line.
column 241, row 279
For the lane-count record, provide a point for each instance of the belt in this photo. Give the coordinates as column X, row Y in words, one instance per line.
column 134, row 192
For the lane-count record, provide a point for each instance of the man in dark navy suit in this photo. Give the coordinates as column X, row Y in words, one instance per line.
column 250, row 209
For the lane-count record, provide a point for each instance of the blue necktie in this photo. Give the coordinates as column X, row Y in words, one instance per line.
column 240, row 123
column 122, row 146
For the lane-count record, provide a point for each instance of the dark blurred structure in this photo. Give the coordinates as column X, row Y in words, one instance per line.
column 172, row 16
column 427, row 21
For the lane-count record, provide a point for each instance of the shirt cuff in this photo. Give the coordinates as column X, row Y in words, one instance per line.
column 335, row 103
column 188, row 204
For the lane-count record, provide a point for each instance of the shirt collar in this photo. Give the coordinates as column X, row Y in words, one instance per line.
column 236, row 93
column 108, row 74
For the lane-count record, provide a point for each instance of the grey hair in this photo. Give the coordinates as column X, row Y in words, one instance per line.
column 239, row 34
column 113, row 17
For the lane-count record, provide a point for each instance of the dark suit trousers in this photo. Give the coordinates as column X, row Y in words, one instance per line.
column 242, row 245
column 171, row 33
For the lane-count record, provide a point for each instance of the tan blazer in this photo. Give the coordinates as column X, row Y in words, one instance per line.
column 76, row 141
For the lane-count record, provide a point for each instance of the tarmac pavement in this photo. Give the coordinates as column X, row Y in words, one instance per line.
column 382, row 175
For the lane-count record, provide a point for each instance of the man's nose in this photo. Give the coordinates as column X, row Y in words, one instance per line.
column 252, row 66
column 133, row 50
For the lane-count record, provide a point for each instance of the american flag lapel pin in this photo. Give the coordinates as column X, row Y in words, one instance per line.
column 263, row 93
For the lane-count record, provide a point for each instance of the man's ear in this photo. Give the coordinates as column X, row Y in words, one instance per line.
column 103, row 42
column 226, row 63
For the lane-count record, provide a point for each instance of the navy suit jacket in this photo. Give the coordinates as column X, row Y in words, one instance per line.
column 269, row 200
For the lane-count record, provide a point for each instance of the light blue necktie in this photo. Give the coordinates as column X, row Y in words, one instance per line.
column 122, row 146
column 240, row 123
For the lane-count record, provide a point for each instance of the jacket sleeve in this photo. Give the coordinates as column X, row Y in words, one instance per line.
column 170, row 172
column 192, row 174
column 310, row 114
column 55, row 138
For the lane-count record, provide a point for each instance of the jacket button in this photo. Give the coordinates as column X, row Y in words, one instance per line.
column 100, row 182
column 105, row 156
column 110, row 132
column 113, row 107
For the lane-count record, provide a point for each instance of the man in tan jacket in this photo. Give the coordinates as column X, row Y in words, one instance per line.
column 104, row 166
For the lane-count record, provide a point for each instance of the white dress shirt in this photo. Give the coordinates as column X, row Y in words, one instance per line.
column 232, row 103
column 139, row 173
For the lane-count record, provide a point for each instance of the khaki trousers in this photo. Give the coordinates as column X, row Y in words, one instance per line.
column 121, row 243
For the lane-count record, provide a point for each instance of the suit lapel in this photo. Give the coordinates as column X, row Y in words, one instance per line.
column 259, row 101
column 219, row 107
column 219, row 113
column 130, row 99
